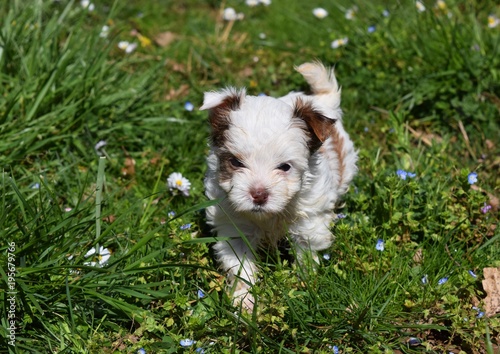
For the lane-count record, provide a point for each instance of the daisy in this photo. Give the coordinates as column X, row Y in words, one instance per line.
column 351, row 13
column 86, row 4
column 102, row 256
column 420, row 6
column 339, row 42
column 230, row 14
column 127, row 46
column 319, row 12
column 493, row 21
column 252, row 3
column 104, row 32
column 265, row 2
column 177, row 182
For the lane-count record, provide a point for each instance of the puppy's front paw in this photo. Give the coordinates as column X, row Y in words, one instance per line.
column 242, row 298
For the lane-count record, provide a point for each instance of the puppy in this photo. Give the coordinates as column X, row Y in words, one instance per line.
column 278, row 167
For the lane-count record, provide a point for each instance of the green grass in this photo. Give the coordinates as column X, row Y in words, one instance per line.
column 421, row 93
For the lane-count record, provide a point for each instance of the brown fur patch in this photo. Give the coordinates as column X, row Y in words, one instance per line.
column 218, row 117
column 226, row 170
column 319, row 127
column 337, row 143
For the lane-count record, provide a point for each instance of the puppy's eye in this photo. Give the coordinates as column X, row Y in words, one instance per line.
column 235, row 162
column 284, row 167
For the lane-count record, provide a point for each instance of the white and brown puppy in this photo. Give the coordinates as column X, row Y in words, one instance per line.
column 278, row 165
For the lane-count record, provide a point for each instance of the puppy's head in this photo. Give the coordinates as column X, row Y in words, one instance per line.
column 263, row 146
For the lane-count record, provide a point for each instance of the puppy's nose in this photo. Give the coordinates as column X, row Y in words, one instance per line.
column 259, row 196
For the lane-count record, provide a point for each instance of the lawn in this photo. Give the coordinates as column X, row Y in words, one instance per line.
column 99, row 106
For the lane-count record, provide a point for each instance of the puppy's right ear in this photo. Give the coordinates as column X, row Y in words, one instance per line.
column 220, row 104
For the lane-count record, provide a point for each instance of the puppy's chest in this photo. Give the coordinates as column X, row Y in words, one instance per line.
column 271, row 231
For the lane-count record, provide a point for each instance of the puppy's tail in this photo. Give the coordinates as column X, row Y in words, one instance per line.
column 323, row 83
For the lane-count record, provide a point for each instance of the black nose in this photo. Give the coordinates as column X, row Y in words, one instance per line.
column 259, row 196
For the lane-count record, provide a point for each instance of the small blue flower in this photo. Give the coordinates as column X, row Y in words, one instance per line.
column 413, row 342
column 141, row 351
column 402, row 174
column 424, row 279
column 472, row 274
column 472, row 178
column 185, row 226
column 188, row 106
column 35, row 186
column 371, row 29
column 479, row 312
column 380, row 245
column 186, row 342
column 334, row 349
column 171, row 214
column 201, row 294
column 200, row 350
column 326, row 257
column 442, row 280
column 385, row 13
column 341, row 216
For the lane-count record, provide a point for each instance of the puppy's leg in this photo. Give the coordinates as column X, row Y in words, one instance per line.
column 237, row 259
column 310, row 235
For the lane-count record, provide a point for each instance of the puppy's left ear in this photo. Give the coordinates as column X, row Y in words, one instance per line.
column 220, row 105
column 319, row 127
column 230, row 98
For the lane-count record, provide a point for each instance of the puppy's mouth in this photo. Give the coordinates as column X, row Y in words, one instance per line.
column 258, row 209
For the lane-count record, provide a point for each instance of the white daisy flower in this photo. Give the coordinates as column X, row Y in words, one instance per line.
column 102, row 256
column 177, row 182
column 252, row 3
column 86, row 4
column 420, row 6
column 127, row 46
column 339, row 42
column 104, row 32
column 493, row 21
column 265, row 2
column 319, row 12
column 351, row 13
column 230, row 14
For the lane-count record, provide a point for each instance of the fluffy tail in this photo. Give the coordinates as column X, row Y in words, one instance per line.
column 323, row 83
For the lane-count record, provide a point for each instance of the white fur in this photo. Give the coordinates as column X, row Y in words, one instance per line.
column 264, row 135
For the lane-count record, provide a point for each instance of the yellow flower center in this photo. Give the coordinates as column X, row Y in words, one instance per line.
column 178, row 183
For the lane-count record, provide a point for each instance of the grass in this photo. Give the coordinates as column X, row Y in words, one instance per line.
column 420, row 94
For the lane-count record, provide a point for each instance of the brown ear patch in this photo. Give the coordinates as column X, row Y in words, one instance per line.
column 218, row 117
column 318, row 125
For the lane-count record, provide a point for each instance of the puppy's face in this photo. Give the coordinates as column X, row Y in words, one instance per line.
column 263, row 146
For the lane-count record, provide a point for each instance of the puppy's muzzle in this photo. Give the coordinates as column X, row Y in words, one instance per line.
column 259, row 196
